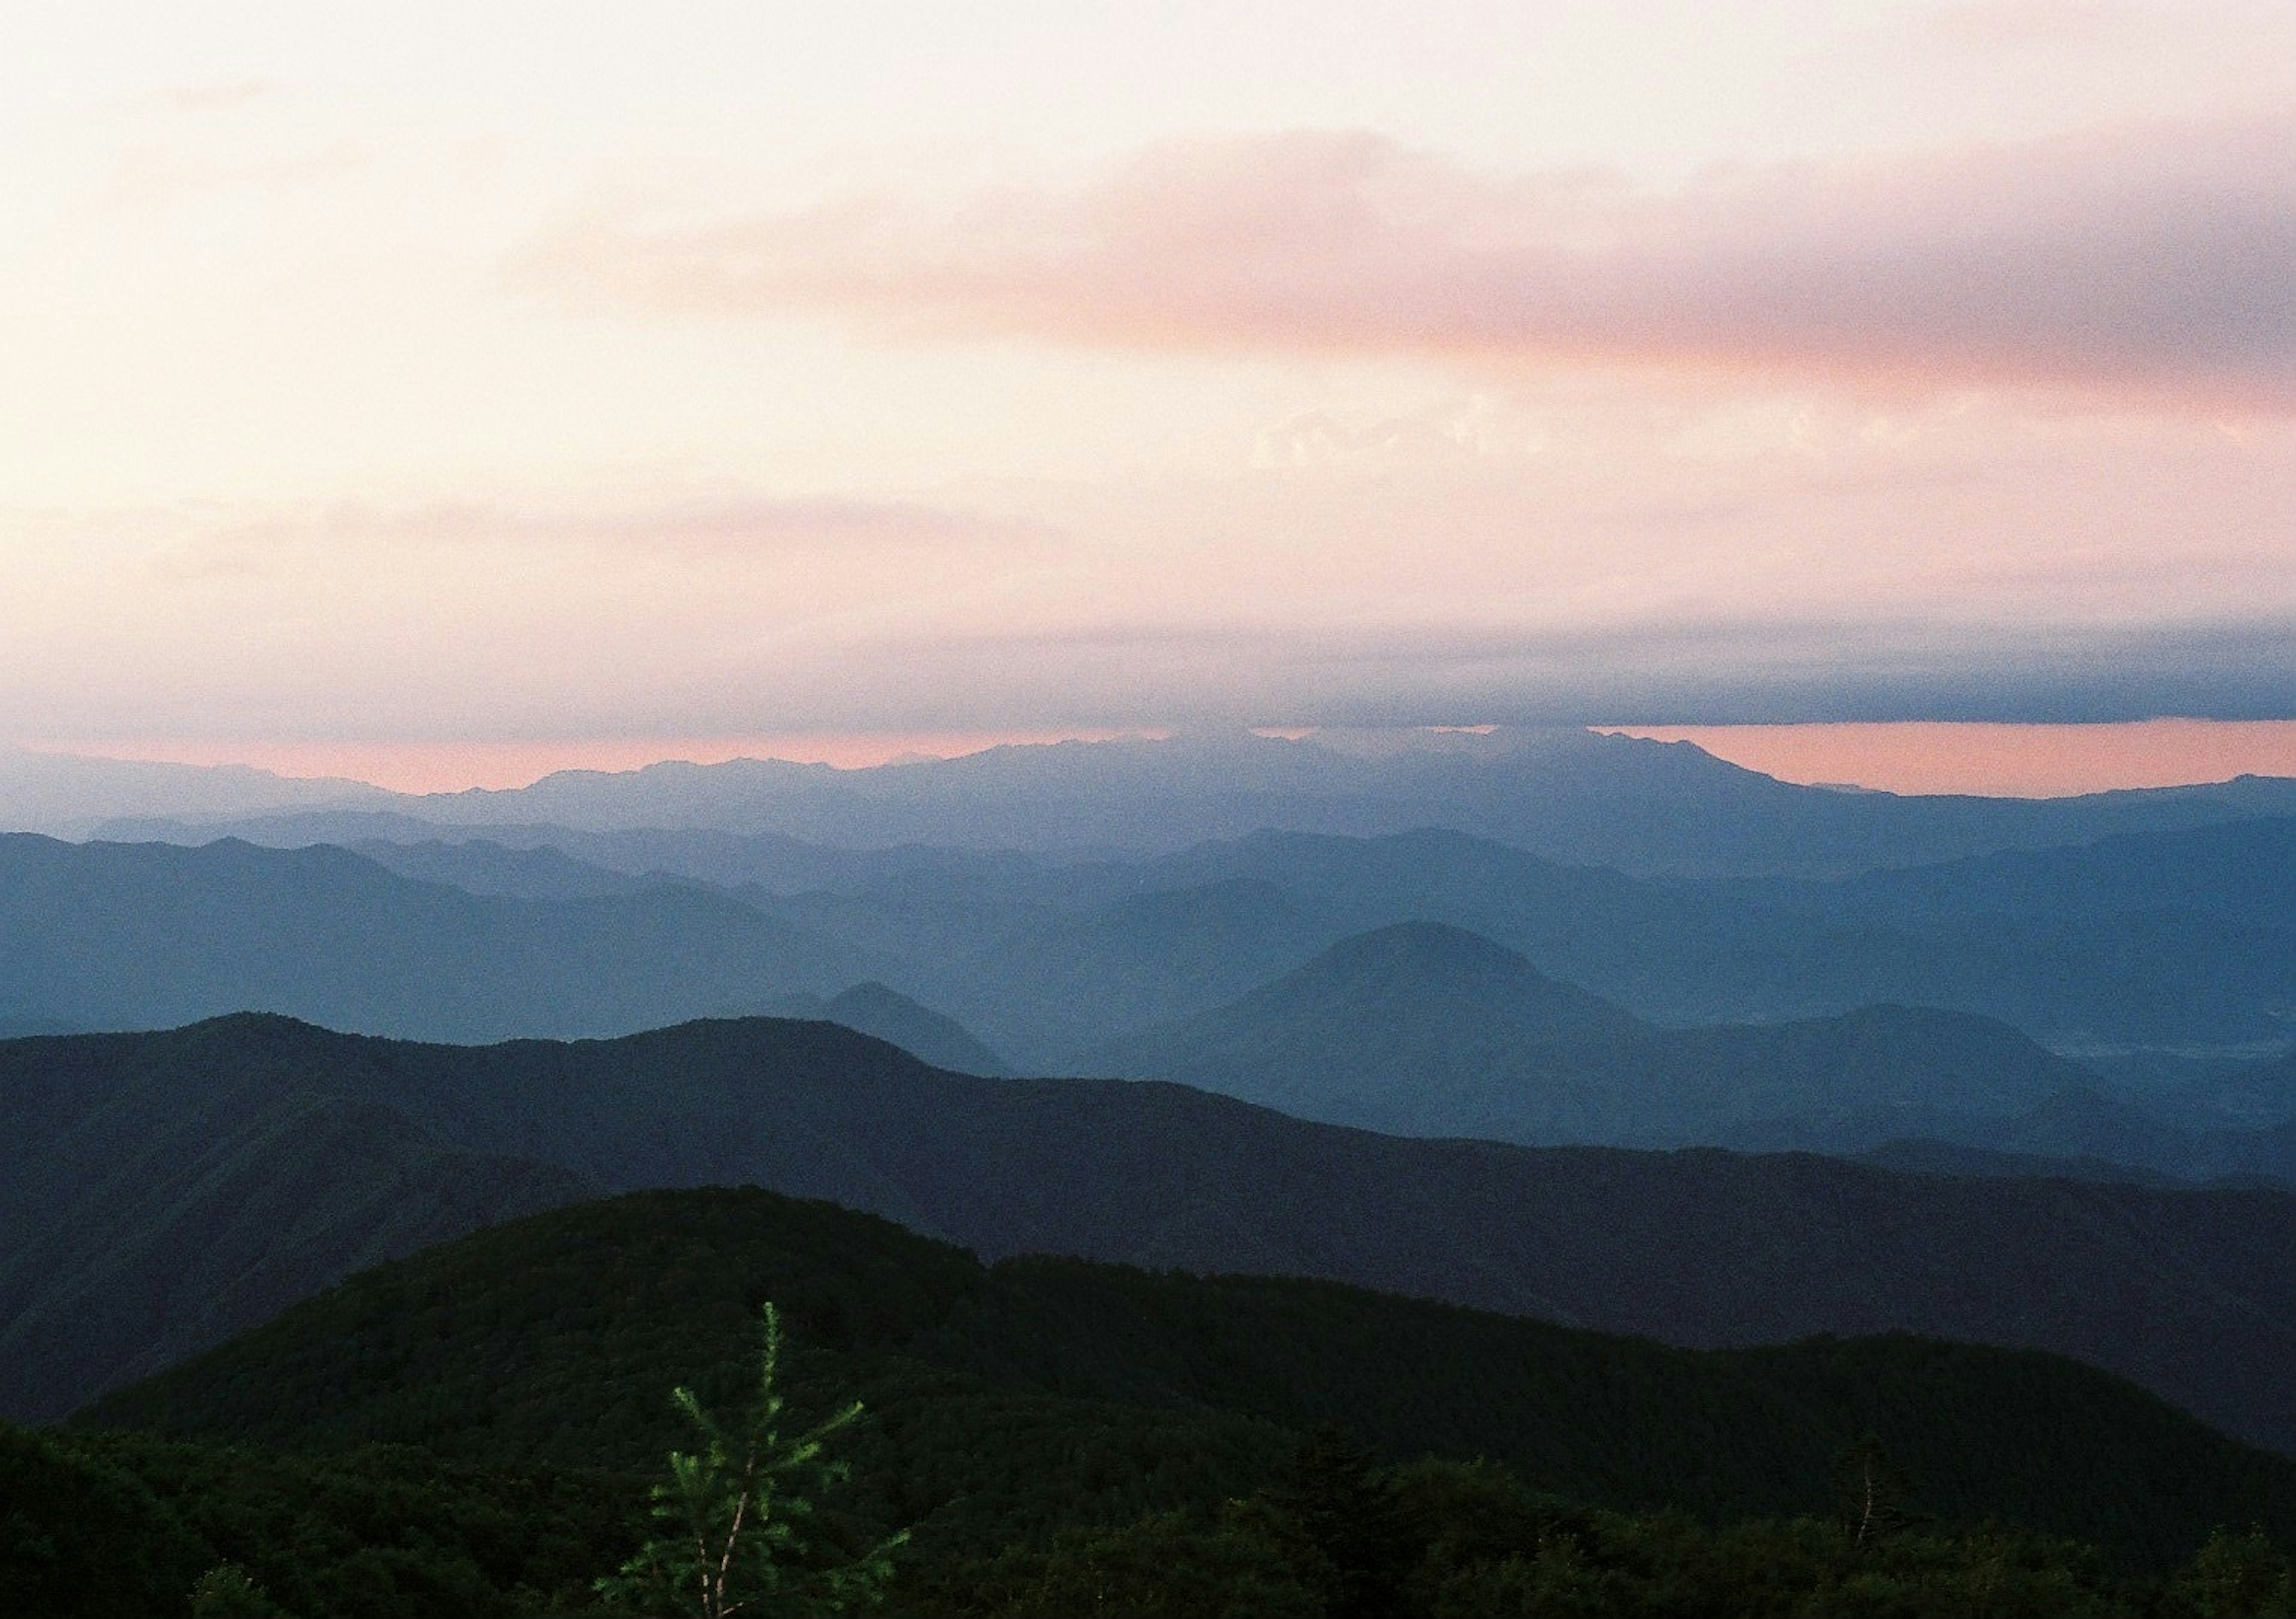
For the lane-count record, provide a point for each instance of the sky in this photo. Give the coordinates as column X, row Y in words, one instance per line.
column 441, row 391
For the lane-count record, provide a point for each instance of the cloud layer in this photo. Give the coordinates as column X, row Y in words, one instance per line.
column 2151, row 261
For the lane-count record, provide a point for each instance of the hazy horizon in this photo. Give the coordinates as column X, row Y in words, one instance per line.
column 1914, row 757
column 418, row 383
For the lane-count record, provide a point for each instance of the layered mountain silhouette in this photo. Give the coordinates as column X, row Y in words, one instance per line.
column 1044, row 960
column 2191, row 1293
column 1642, row 806
column 888, row 1015
column 138, row 936
column 1048, row 963
column 1430, row 1030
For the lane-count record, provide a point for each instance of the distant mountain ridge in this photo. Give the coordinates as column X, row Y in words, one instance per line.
column 1569, row 795
column 1427, row 1029
column 885, row 1014
column 1041, row 960
column 2241, row 870
column 153, row 935
column 69, row 795
column 2191, row 1293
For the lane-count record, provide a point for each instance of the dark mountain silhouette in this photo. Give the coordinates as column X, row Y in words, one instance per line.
column 1042, row 1387
column 2191, row 1293
column 891, row 1017
column 152, row 1208
column 146, row 935
column 1924, row 1157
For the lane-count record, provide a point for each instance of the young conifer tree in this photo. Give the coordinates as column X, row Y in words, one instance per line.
column 736, row 1513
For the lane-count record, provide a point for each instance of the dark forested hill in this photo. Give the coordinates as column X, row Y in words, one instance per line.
column 2190, row 1293
column 148, row 1209
column 549, row 1342
column 140, row 936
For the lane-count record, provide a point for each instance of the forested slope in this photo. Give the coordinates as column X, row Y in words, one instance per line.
column 548, row 1341
column 2191, row 1293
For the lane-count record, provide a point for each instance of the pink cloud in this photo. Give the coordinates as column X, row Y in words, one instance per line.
column 2150, row 261
column 211, row 95
column 741, row 526
column 2021, row 23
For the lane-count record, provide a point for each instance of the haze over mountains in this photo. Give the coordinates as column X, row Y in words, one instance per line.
column 1649, row 809
column 1689, row 1190
column 1425, row 1029
column 1045, row 961
column 113, row 935
column 2162, row 962
column 69, row 795
column 1430, row 1030
column 2064, row 1022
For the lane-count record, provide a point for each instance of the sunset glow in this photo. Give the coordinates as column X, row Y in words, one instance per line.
column 447, row 767
column 2011, row 761
column 443, row 395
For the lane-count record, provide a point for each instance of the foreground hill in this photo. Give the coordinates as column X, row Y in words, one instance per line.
column 148, row 1212
column 2191, row 1293
column 139, row 936
column 1430, row 1030
column 548, row 1342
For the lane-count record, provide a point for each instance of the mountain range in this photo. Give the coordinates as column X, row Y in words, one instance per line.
column 1002, row 1394
column 1424, row 1029
column 2191, row 1293
column 135, row 935
column 1045, row 962
column 1649, row 809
